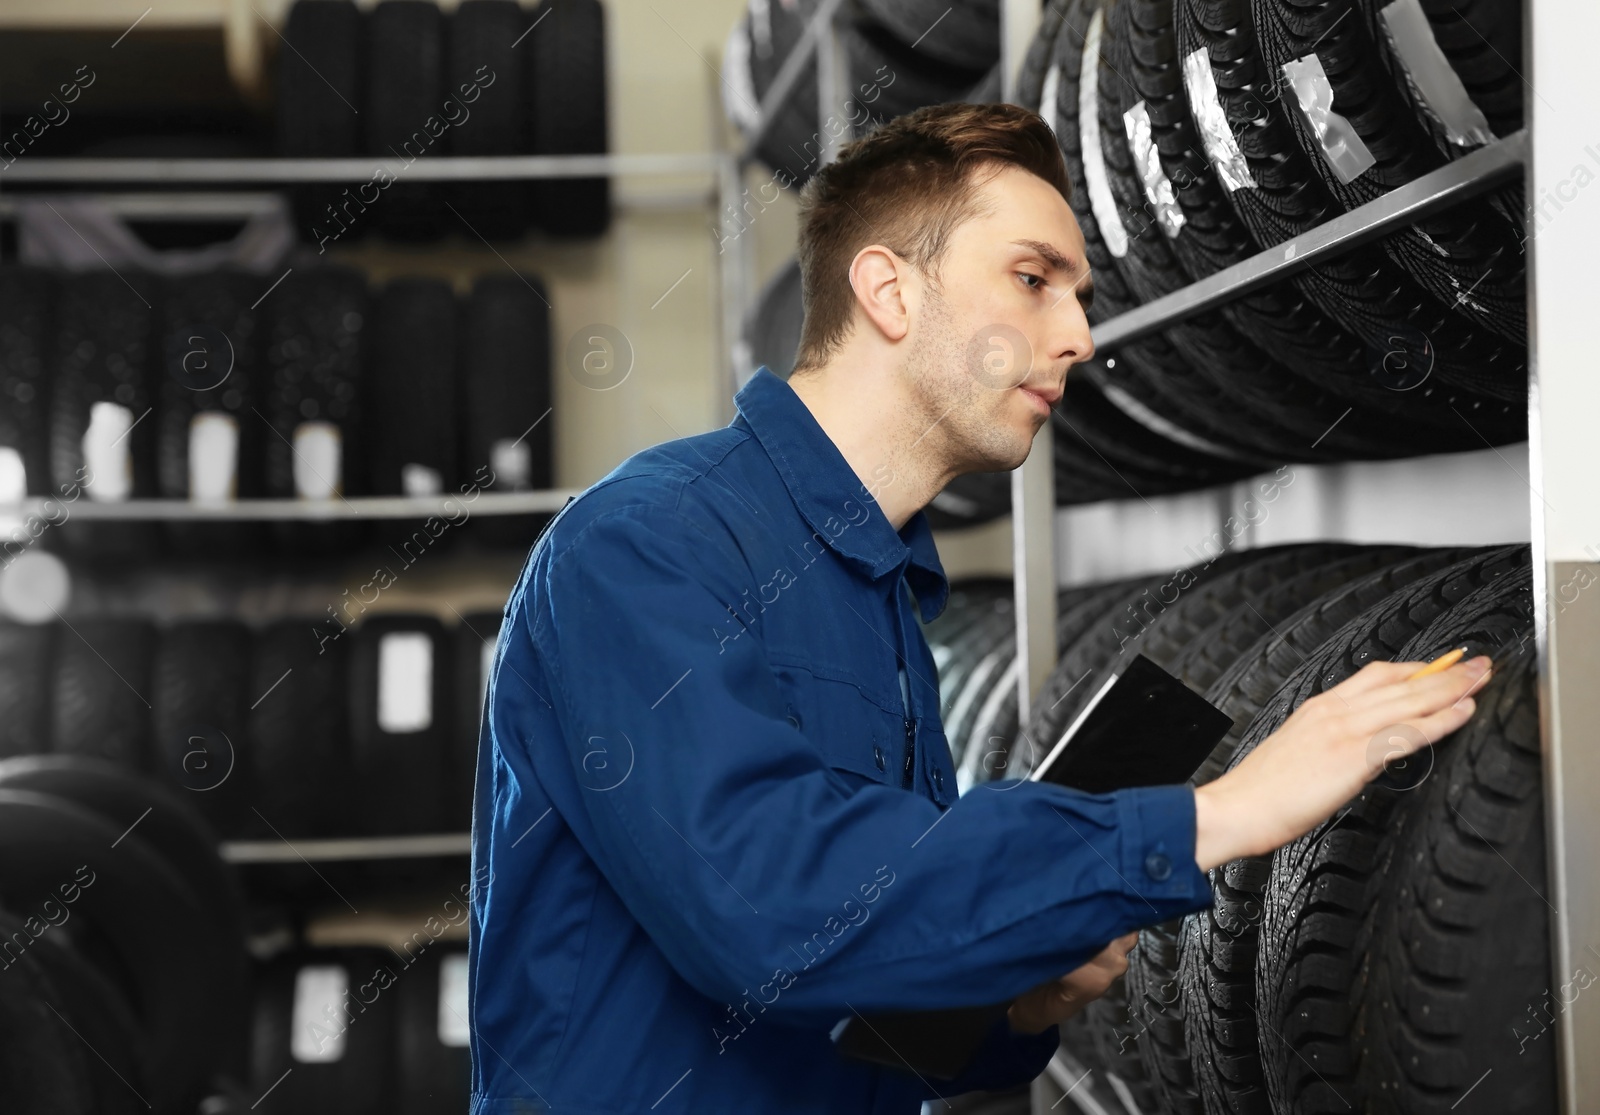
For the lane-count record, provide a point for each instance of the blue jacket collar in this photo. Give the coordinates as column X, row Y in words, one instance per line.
column 828, row 492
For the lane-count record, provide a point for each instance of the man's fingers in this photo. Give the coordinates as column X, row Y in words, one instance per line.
column 1399, row 739
column 1415, row 699
column 1375, row 675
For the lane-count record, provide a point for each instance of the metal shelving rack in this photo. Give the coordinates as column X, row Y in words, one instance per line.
column 176, row 199
column 1564, row 402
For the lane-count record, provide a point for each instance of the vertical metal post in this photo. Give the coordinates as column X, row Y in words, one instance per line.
column 1033, row 500
column 1564, row 397
column 1019, row 22
column 735, row 253
column 834, row 129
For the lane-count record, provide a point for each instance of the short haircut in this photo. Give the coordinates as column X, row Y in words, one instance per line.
column 906, row 185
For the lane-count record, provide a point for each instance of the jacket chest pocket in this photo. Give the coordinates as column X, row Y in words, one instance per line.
column 860, row 739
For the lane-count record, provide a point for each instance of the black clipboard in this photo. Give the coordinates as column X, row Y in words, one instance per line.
column 1143, row 727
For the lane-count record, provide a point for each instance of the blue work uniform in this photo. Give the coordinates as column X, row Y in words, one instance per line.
column 709, row 825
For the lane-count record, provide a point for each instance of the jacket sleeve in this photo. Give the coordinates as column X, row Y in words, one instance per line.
column 753, row 869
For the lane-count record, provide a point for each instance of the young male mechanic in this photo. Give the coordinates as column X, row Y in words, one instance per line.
column 715, row 810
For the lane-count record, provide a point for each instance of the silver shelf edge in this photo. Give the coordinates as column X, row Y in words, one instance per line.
column 1460, row 180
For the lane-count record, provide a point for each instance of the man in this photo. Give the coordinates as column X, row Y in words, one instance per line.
column 715, row 810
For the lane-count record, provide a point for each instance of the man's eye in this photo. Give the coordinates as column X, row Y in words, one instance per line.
column 1039, row 279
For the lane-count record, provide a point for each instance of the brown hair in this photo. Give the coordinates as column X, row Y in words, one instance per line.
column 907, row 186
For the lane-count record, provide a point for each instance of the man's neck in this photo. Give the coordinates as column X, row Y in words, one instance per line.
column 879, row 434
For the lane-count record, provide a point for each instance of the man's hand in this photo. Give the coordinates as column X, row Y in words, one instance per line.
column 1060, row 999
column 1325, row 752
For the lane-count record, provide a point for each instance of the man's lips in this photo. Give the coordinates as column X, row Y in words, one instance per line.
column 1046, row 397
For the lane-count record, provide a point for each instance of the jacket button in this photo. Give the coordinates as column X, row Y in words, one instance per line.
column 1158, row 867
column 938, row 779
column 877, row 757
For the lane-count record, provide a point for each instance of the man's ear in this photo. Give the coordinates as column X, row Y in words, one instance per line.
column 879, row 278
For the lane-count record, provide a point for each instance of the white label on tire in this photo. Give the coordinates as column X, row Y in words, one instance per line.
column 13, row 488
column 453, row 1029
column 1217, row 137
column 420, row 480
column 213, row 457
column 1433, row 80
column 485, row 666
column 1147, row 162
column 1048, row 92
column 405, row 681
column 317, row 1021
column 1341, row 146
column 1101, row 202
column 511, row 461
column 106, row 452
column 318, row 458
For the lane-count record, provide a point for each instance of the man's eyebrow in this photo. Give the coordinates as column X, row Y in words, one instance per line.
column 1050, row 255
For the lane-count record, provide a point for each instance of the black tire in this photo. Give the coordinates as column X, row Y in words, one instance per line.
column 321, row 91
column 474, row 644
column 905, row 79
column 299, row 756
column 1482, row 41
column 1468, row 257
column 210, row 344
column 1282, row 321
column 435, row 1078
column 1102, row 453
column 1218, row 951
column 483, row 43
column 405, row 113
column 759, row 48
column 1114, row 1019
column 566, row 96
column 412, row 400
column 1314, row 934
column 772, row 327
column 360, row 1079
column 313, row 364
column 1152, row 986
column 398, row 768
column 996, row 729
column 964, row 34
column 1441, row 981
column 44, row 1068
column 1041, row 53
column 1250, row 681
column 47, row 843
column 1364, row 290
column 1290, row 417
column 200, row 700
column 172, row 829
column 507, row 430
column 1133, row 379
column 105, row 327
column 27, row 313
column 26, row 679
column 1141, row 610
column 101, row 691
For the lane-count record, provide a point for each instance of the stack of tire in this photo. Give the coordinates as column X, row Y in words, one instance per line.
column 405, row 80
column 214, row 388
column 1335, row 974
column 360, row 1031
column 302, row 728
column 899, row 55
column 1188, row 152
column 123, row 971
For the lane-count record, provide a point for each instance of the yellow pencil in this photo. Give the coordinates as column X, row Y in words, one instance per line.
column 1443, row 662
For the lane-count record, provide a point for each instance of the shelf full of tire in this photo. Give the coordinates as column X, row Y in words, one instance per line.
column 1336, row 970
column 214, row 698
